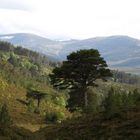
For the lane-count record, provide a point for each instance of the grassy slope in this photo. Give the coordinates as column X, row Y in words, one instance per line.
column 91, row 127
column 86, row 128
column 11, row 95
column 15, row 98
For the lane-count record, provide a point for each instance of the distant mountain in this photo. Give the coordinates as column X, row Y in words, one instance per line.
column 118, row 51
column 34, row 42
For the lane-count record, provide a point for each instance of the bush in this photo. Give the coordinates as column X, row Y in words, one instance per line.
column 77, row 113
column 136, row 96
column 55, row 117
column 5, row 119
column 37, row 110
column 3, row 84
column 31, row 106
column 60, row 101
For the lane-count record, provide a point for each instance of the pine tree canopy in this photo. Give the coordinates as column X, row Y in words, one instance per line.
column 81, row 69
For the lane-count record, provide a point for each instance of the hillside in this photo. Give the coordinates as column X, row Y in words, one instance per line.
column 31, row 126
column 119, row 51
column 40, row 112
column 95, row 128
column 21, row 71
column 125, row 127
column 88, row 126
column 33, row 42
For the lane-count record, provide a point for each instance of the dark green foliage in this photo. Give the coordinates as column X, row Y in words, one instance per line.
column 76, row 100
column 36, row 95
column 55, row 117
column 112, row 104
column 80, row 71
column 5, row 119
column 6, row 46
column 13, row 60
column 93, row 106
column 118, row 100
column 37, row 110
column 14, row 133
column 77, row 112
column 95, row 127
column 136, row 97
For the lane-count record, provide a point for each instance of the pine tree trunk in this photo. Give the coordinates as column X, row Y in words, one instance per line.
column 38, row 104
column 86, row 99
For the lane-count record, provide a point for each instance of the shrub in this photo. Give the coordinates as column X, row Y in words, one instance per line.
column 3, row 84
column 5, row 119
column 55, row 117
column 60, row 101
column 37, row 110
column 136, row 96
column 31, row 106
column 77, row 113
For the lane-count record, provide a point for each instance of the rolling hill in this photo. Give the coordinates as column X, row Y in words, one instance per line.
column 33, row 42
column 119, row 51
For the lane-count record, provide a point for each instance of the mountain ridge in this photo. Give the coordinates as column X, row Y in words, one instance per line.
column 118, row 50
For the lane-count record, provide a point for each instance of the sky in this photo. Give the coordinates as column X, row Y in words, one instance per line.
column 77, row 19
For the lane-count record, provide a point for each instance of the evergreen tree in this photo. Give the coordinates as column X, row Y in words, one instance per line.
column 112, row 103
column 80, row 71
column 136, row 96
column 37, row 95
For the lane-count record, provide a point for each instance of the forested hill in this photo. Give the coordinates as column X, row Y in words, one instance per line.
column 18, row 64
column 19, row 50
column 33, row 42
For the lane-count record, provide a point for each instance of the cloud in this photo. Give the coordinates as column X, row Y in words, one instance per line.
column 74, row 18
column 15, row 5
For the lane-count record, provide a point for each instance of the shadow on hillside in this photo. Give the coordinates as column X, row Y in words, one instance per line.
column 22, row 101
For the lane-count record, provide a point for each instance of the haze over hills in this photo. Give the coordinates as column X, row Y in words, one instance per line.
column 33, row 42
column 118, row 51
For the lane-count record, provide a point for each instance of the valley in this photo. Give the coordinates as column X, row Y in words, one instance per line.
column 39, row 110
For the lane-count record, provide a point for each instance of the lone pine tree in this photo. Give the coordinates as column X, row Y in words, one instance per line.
column 80, row 71
column 36, row 95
